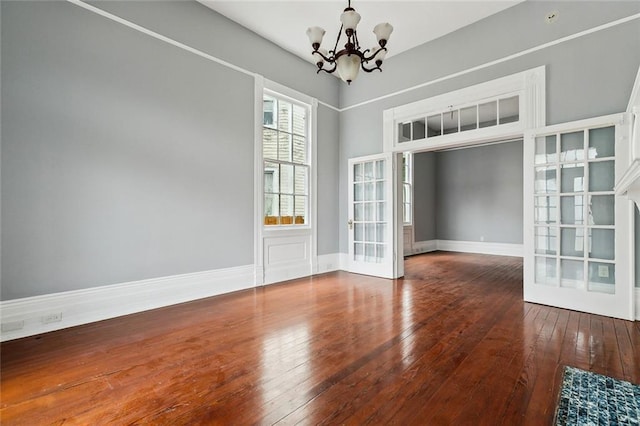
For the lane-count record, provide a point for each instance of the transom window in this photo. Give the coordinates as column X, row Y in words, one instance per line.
column 285, row 148
column 483, row 114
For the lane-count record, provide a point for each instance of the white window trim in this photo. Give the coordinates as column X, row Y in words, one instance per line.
column 262, row 86
column 528, row 85
column 409, row 156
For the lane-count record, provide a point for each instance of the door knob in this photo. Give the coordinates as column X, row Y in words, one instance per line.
column 350, row 223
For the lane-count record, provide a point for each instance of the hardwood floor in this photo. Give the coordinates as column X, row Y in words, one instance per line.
column 451, row 343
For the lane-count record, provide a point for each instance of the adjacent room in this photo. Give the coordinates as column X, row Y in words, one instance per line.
column 319, row 212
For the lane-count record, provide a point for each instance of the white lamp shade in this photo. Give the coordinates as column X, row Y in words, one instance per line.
column 316, row 56
column 315, row 35
column 348, row 67
column 350, row 19
column 383, row 31
column 379, row 53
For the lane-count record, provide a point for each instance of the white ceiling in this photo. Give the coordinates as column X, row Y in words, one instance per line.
column 415, row 22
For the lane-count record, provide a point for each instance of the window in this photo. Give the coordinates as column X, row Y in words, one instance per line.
column 285, row 151
column 407, row 190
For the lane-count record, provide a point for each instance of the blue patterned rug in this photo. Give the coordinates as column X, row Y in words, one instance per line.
column 592, row 399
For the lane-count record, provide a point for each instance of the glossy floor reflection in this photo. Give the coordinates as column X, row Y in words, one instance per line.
column 451, row 343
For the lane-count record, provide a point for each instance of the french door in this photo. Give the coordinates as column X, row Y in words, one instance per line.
column 577, row 238
column 375, row 220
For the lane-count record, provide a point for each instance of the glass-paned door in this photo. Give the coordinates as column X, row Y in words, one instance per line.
column 577, row 233
column 373, row 216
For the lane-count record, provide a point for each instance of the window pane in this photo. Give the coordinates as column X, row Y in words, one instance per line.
column 271, row 209
column 358, row 171
column 602, row 277
column 369, row 191
column 300, row 209
column 469, row 118
column 572, row 273
column 380, row 169
column 450, row 122
column 299, row 150
column 602, row 142
column 301, row 180
column 380, row 215
column 572, row 146
column 284, row 146
column 509, row 110
column 269, row 144
column 368, row 171
column 572, row 176
column 380, row 232
column 404, row 132
column 359, row 252
column 380, row 191
column 299, row 125
column 546, row 240
column 286, row 178
column 284, row 116
column 602, row 244
column 545, row 180
column 546, row 209
column 546, row 150
column 271, row 177
column 286, row 209
column 601, row 210
column 369, row 212
column 269, row 108
column 572, row 210
column 601, row 176
column 358, row 234
column 488, row 114
column 418, row 130
column 370, row 232
column 434, row 125
column 572, row 242
column 358, row 191
column 546, row 271
column 358, row 211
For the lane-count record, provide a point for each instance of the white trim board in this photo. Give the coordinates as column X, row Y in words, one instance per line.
column 637, row 303
column 41, row 314
column 497, row 249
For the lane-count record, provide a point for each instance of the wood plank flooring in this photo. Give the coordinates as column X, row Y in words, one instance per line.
column 451, row 343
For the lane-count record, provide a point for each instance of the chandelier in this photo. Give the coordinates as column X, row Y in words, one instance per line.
column 349, row 60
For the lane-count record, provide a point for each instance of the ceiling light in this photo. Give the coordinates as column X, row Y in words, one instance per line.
column 349, row 60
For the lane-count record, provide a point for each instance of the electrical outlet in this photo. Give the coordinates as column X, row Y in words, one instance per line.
column 551, row 17
column 53, row 317
column 12, row 326
column 603, row 271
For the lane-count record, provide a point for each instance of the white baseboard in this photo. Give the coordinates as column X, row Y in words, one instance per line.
column 498, row 249
column 637, row 303
column 41, row 314
column 424, row 246
column 328, row 263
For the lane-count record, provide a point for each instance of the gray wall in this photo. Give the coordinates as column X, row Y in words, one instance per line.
column 472, row 194
column 125, row 158
column 587, row 76
column 479, row 194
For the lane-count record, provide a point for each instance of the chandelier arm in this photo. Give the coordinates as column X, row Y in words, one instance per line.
column 367, row 59
column 377, row 67
column 329, row 59
column 335, row 48
column 329, row 71
column 355, row 40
